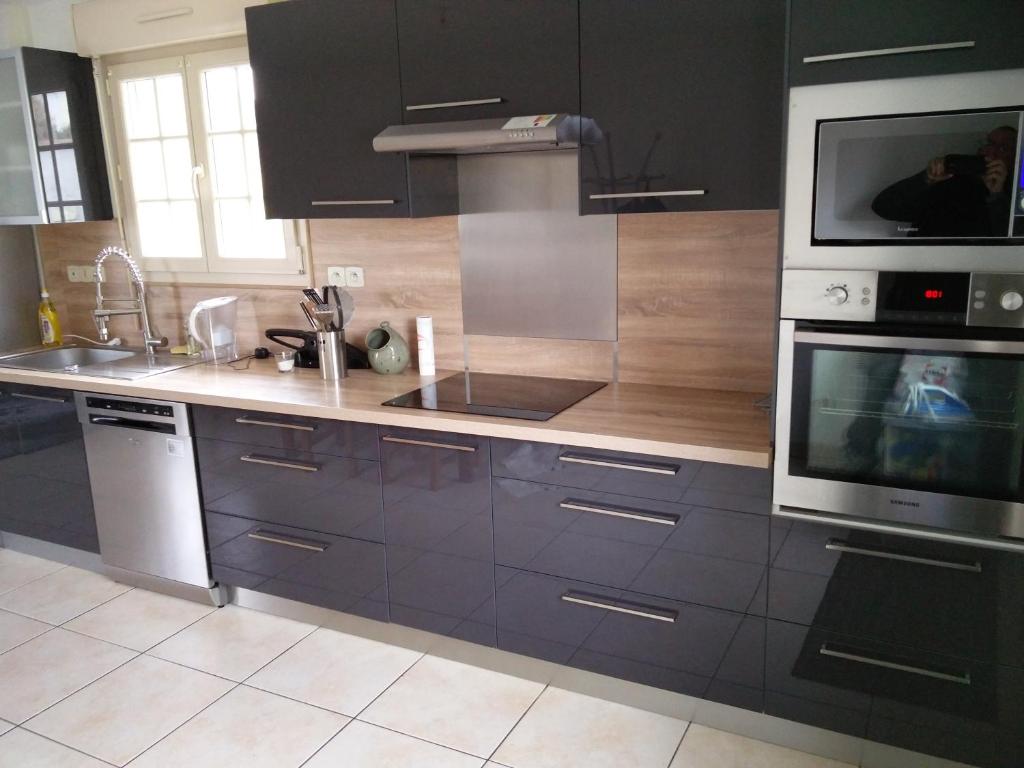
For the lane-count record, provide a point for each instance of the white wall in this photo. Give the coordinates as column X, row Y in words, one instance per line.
column 14, row 29
column 39, row 23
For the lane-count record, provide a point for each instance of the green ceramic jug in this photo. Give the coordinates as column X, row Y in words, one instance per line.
column 387, row 350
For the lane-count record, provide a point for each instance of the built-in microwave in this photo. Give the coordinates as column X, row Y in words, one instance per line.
column 915, row 174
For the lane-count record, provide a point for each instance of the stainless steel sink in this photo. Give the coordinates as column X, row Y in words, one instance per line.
column 97, row 361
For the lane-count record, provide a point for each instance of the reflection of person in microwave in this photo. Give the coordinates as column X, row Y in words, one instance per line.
column 957, row 195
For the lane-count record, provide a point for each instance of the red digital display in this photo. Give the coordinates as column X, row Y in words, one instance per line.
column 932, row 293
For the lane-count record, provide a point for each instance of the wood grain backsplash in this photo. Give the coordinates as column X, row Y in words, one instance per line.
column 696, row 297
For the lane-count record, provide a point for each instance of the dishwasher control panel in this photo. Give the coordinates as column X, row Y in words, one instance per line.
column 130, row 406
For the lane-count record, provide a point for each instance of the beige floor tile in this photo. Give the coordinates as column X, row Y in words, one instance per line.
column 705, row 746
column 248, row 729
column 232, row 642
column 139, row 619
column 15, row 630
column 454, row 704
column 61, row 595
column 335, row 671
column 124, row 713
column 43, row 671
column 17, row 569
column 21, row 749
column 362, row 745
column 568, row 729
column 5, row 726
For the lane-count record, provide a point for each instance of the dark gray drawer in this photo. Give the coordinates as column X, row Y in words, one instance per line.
column 679, row 647
column 723, row 486
column 329, row 571
column 693, row 554
column 317, row 492
column 296, row 433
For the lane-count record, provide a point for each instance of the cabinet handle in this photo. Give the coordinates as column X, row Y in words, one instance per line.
column 888, row 51
column 671, row 193
column 963, row 678
column 276, row 538
column 171, row 13
column 429, row 444
column 42, row 398
column 838, row 545
column 353, row 202
column 631, row 514
column 446, row 104
column 652, row 467
column 252, row 458
column 621, row 606
column 260, row 423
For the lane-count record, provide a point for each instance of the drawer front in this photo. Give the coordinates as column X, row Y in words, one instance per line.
column 942, row 705
column 294, row 433
column 946, row 598
column 329, row 571
column 437, row 510
column 722, row 486
column 692, row 554
column 305, row 490
column 679, row 647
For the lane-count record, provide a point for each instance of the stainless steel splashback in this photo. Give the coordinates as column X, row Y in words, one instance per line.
column 19, row 289
column 531, row 265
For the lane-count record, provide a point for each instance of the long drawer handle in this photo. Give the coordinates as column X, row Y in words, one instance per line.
column 621, row 606
column 652, row 467
column 837, row 545
column 353, row 202
column 446, row 104
column 43, row 398
column 260, row 423
column 627, row 512
column 275, row 538
column 888, row 51
column 253, row 458
column 963, row 678
column 670, row 193
column 429, row 444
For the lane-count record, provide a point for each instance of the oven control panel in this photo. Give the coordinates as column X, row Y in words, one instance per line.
column 996, row 300
column 821, row 294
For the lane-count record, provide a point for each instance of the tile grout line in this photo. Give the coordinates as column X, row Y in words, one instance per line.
column 46, row 631
column 516, row 725
column 37, row 578
column 675, row 752
column 59, row 743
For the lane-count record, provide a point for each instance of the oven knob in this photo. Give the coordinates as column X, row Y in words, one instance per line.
column 1011, row 301
column 837, row 295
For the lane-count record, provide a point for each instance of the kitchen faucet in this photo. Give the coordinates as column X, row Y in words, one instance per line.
column 101, row 315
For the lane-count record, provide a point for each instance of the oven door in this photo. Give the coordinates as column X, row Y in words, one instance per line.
column 911, row 431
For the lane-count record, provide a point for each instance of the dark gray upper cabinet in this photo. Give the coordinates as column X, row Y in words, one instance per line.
column 520, row 57
column 931, row 37
column 326, row 81
column 688, row 96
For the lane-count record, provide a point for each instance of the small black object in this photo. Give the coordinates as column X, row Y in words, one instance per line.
column 306, row 355
column 965, row 165
column 261, row 353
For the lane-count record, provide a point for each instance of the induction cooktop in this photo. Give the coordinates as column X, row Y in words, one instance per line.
column 490, row 394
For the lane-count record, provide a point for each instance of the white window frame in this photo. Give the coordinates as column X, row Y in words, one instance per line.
column 211, row 268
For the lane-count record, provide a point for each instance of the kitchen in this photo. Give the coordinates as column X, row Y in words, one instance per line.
column 712, row 465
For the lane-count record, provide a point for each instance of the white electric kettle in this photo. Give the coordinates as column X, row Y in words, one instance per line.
column 212, row 324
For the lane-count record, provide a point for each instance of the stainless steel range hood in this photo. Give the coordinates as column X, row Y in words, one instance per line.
column 473, row 137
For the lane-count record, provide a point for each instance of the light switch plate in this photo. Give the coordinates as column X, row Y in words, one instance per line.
column 354, row 277
column 336, row 276
column 74, row 274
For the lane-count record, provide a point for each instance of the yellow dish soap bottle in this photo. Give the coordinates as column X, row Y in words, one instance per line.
column 49, row 323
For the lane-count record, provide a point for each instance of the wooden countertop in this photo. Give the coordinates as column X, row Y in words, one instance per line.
column 702, row 425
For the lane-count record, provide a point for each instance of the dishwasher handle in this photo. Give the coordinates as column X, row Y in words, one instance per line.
column 123, row 423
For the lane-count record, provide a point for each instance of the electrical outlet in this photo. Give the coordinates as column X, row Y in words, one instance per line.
column 336, row 276
column 354, row 277
column 89, row 273
column 74, row 274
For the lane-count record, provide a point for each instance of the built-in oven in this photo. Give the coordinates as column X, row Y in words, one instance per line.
column 901, row 403
column 908, row 174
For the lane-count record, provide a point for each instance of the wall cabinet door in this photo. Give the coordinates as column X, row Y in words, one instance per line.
column 844, row 38
column 513, row 57
column 326, row 81
column 688, row 96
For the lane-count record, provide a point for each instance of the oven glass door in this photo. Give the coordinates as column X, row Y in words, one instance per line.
column 944, row 416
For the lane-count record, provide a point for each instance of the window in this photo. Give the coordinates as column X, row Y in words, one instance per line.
column 189, row 164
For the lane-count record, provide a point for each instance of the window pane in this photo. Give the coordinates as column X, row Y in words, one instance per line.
column 74, row 213
column 140, row 114
column 169, row 230
column 228, row 161
column 60, row 118
column 252, row 166
column 171, row 98
column 147, row 167
column 39, row 120
column 233, row 228
column 178, row 167
column 246, row 97
column 67, row 174
column 220, row 87
column 49, row 177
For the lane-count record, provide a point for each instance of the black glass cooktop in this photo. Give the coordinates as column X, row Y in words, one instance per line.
column 491, row 394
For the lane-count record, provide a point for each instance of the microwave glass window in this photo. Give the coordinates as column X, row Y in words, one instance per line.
column 942, row 422
column 942, row 177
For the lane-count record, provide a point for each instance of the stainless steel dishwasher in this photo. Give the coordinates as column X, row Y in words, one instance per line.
column 145, row 490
